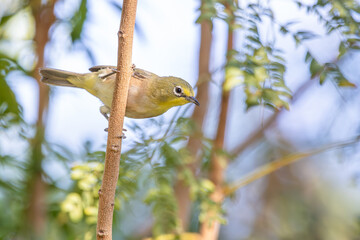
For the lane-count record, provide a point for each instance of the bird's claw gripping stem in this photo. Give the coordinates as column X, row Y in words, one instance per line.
column 122, row 134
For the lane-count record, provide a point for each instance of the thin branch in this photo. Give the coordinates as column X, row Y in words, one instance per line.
column 258, row 134
column 194, row 144
column 36, row 187
column 116, row 121
column 210, row 228
column 284, row 161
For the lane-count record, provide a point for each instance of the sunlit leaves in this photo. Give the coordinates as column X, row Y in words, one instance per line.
column 261, row 72
column 259, row 68
column 327, row 71
column 83, row 203
column 234, row 76
column 73, row 206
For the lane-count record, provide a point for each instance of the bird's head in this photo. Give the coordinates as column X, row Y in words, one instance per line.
column 173, row 91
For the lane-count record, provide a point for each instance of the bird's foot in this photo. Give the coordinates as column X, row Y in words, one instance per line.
column 104, row 110
column 113, row 71
column 122, row 134
column 106, row 75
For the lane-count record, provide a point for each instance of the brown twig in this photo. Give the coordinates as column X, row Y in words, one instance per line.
column 259, row 133
column 210, row 228
column 284, row 161
column 36, row 211
column 116, row 121
column 194, row 144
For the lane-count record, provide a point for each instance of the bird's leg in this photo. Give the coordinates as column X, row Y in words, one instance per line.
column 113, row 71
column 122, row 134
column 105, row 111
column 107, row 75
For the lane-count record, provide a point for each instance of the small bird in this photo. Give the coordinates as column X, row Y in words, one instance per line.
column 149, row 95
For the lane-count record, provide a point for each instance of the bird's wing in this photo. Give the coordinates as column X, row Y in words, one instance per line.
column 138, row 73
column 99, row 67
column 142, row 74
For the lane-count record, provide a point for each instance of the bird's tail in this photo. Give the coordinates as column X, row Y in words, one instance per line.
column 57, row 77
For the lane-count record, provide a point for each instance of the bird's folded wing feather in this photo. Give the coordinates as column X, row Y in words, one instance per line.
column 99, row 67
column 138, row 73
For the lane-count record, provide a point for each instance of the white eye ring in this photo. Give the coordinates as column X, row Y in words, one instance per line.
column 178, row 91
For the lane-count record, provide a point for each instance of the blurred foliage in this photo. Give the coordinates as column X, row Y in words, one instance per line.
column 183, row 236
column 77, row 21
column 9, row 108
column 259, row 66
column 305, row 208
column 152, row 162
column 156, row 159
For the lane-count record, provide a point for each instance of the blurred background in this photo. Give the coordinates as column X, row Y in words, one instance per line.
column 274, row 78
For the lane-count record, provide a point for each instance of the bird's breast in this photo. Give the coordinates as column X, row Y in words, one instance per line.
column 140, row 103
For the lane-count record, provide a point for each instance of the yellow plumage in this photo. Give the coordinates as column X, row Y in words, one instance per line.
column 149, row 94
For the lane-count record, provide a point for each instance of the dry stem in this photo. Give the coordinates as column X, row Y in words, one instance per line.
column 210, row 228
column 194, row 144
column 116, row 121
column 36, row 211
column 273, row 166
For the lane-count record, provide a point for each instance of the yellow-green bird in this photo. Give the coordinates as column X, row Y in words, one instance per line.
column 149, row 94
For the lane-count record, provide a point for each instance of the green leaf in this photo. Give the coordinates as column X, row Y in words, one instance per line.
column 8, row 100
column 315, row 68
column 273, row 100
column 5, row 19
column 323, row 76
column 343, row 82
column 342, row 49
column 77, row 21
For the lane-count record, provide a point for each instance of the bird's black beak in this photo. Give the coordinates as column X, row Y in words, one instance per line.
column 193, row 100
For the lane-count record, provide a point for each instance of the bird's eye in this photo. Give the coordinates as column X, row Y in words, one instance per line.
column 178, row 91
